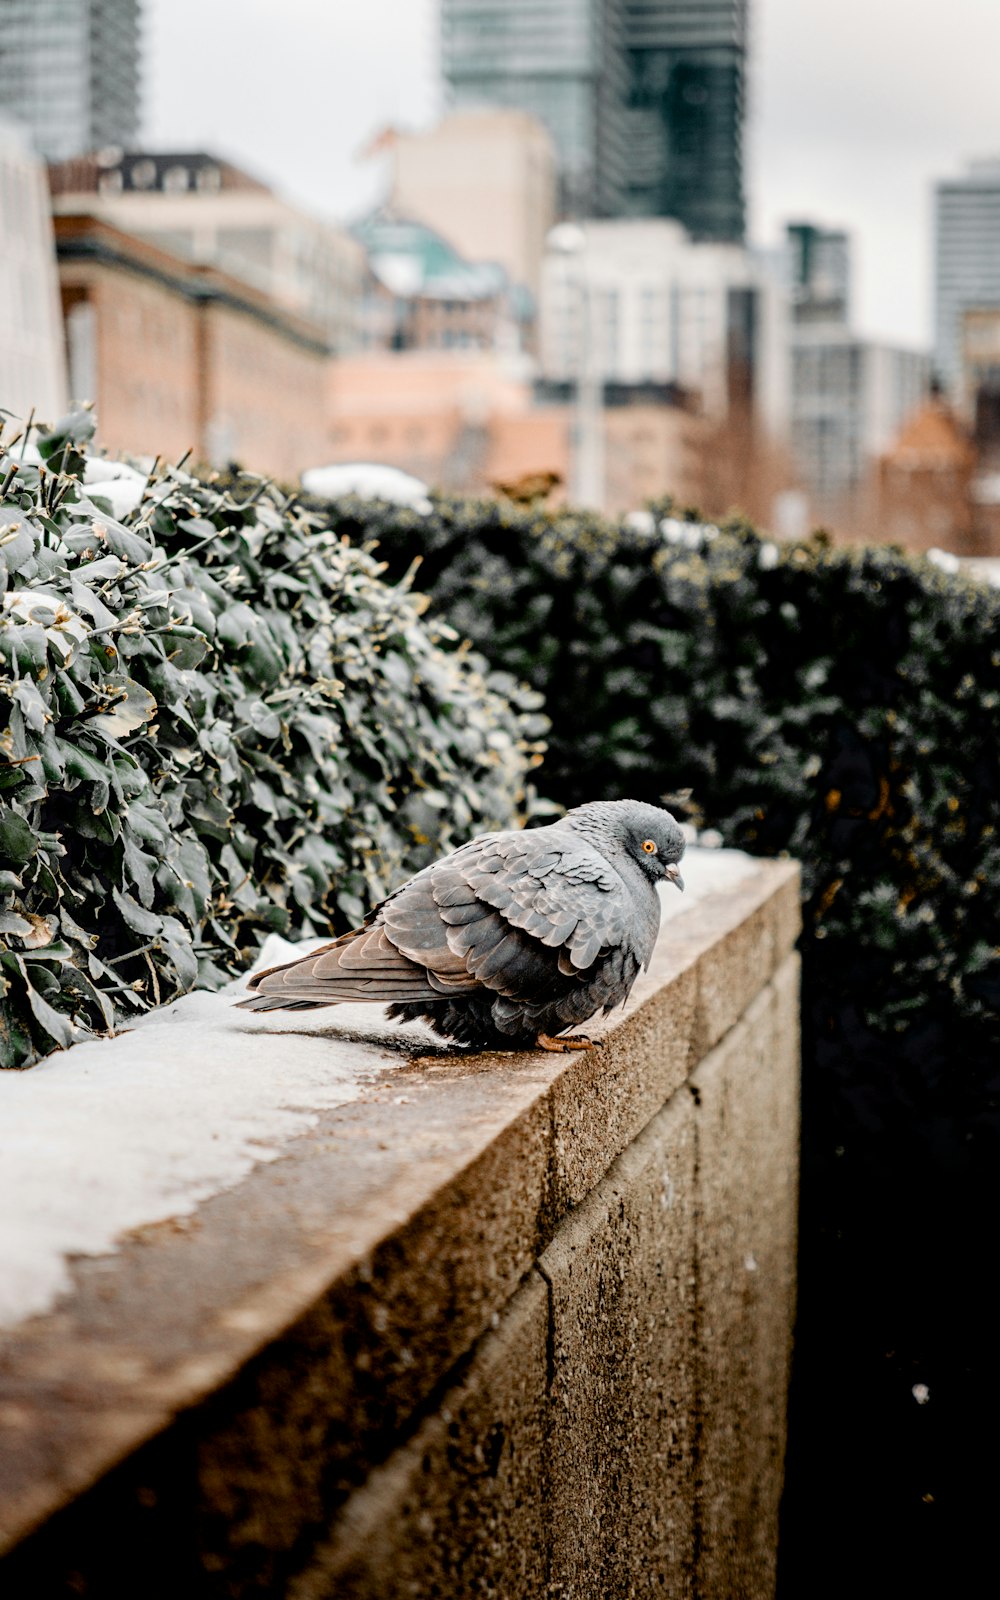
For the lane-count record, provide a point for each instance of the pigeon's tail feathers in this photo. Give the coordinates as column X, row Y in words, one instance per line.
column 256, row 981
column 364, row 965
column 272, row 1002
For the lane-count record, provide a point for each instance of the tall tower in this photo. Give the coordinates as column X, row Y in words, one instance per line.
column 966, row 262
column 563, row 60
column 687, row 67
column 69, row 73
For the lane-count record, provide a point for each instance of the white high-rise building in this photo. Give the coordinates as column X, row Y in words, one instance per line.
column 850, row 398
column 642, row 304
column 32, row 362
column 69, row 72
column 966, row 259
column 848, row 395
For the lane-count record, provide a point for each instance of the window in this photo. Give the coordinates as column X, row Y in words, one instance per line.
column 175, row 180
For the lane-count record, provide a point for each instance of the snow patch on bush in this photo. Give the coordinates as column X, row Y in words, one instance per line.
column 369, row 481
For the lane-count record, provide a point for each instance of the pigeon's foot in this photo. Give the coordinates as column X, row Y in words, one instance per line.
column 545, row 1041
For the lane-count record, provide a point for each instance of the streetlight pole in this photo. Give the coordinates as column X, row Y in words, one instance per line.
column 570, row 240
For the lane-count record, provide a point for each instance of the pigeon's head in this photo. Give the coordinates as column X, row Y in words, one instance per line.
column 654, row 839
column 650, row 835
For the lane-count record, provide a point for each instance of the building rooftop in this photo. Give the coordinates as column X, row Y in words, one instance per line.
column 115, row 171
column 931, row 438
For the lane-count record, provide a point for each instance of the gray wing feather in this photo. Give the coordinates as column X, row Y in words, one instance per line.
column 567, row 897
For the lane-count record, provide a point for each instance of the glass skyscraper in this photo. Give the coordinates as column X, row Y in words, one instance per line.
column 686, row 70
column 644, row 98
column 69, row 73
column 562, row 60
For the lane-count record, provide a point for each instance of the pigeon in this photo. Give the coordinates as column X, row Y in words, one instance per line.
column 510, row 940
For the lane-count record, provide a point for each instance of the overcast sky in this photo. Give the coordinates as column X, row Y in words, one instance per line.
column 855, row 107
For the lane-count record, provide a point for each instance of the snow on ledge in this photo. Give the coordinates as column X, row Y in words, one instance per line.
column 116, row 1134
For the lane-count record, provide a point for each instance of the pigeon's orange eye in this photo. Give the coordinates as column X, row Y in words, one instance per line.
column 649, row 847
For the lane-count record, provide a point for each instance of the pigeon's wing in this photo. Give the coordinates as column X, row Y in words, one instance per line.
column 516, row 910
column 558, row 890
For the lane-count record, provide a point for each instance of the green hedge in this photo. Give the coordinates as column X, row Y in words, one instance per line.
column 215, row 722
column 841, row 705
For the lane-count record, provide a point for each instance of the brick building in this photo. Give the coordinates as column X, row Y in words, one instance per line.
column 180, row 357
column 212, row 213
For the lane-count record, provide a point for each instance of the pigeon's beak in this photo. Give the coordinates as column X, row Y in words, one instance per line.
column 673, row 872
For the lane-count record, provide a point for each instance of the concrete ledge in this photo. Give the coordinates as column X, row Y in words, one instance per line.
column 504, row 1296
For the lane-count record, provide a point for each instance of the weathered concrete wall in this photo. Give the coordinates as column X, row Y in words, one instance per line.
column 507, row 1327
